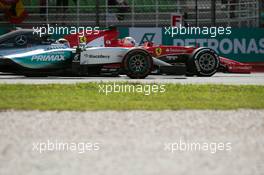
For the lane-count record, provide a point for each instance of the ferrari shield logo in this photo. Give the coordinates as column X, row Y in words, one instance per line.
column 82, row 39
column 158, row 51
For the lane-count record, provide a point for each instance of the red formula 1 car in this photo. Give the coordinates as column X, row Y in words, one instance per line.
column 175, row 60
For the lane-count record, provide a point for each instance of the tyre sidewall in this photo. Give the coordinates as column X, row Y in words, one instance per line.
column 194, row 62
column 129, row 72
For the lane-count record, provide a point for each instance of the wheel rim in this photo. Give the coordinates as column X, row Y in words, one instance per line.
column 207, row 62
column 138, row 63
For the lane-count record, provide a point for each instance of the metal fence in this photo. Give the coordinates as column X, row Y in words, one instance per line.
column 139, row 13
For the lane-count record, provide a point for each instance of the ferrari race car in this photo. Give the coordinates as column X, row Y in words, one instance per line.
column 25, row 53
column 194, row 58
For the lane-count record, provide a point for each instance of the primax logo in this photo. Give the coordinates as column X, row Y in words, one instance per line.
column 48, row 58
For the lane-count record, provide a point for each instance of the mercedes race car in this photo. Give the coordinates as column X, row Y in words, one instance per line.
column 22, row 52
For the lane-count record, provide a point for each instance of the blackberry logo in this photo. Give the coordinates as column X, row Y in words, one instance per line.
column 97, row 56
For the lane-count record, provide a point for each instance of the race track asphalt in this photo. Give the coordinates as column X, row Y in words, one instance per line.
column 219, row 78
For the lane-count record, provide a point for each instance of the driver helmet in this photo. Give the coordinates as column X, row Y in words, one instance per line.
column 129, row 41
column 63, row 41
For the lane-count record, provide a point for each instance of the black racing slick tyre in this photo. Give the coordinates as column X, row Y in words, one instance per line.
column 203, row 62
column 137, row 64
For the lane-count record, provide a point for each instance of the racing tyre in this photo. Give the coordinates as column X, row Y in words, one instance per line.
column 137, row 64
column 203, row 62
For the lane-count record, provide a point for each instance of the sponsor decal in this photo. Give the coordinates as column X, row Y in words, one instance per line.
column 82, row 39
column 108, row 42
column 172, row 57
column 173, row 50
column 148, row 34
column 56, row 47
column 76, row 58
column 148, row 37
column 47, row 58
column 158, row 51
column 21, row 40
column 97, row 56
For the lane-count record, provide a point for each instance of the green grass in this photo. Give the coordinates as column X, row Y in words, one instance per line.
column 87, row 97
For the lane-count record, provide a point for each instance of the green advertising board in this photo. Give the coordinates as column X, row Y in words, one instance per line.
column 244, row 45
